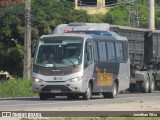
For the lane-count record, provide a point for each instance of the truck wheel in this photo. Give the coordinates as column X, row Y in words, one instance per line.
column 112, row 94
column 88, row 94
column 43, row 96
column 145, row 85
column 151, row 86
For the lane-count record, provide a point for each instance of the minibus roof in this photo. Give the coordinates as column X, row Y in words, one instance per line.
column 63, row 28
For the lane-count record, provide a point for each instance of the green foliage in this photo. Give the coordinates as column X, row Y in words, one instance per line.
column 12, row 59
column 157, row 19
column 11, row 19
column 97, row 18
column 45, row 19
column 45, row 16
column 15, row 63
column 119, row 14
column 16, row 88
column 143, row 13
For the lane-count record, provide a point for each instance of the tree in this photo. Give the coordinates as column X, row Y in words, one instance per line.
column 97, row 18
column 45, row 19
column 46, row 15
column 119, row 14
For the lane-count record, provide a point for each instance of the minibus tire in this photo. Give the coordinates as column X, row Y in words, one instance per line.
column 88, row 94
column 112, row 94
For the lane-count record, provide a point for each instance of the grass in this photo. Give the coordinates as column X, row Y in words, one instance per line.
column 16, row 88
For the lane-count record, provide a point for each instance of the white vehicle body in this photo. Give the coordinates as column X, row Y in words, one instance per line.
column 102, row 65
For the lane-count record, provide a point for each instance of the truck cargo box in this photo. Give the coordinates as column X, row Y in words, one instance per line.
column 152, row 47
column 135, row 38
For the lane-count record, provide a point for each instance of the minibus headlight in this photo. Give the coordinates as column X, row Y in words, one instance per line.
column 76, row 79
column 36, row 80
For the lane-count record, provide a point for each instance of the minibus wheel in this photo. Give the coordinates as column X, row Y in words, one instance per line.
column 88, row 94
column 112, row 94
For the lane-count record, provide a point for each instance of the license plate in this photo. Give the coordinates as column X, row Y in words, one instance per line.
column 55, row 91
column 57, row 78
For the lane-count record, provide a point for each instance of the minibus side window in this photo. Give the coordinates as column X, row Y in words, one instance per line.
column 111, row 51
column 88, row 59
column 102, row 51
column 119, row 51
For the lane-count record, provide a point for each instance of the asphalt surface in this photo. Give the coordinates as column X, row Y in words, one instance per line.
column 135, row 104
column 63, row 104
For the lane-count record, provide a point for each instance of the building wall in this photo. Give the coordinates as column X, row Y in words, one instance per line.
column 99, row 8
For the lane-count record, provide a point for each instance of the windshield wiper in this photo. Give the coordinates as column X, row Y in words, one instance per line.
column 74, row 65
column 54, row 65
column 56, row 61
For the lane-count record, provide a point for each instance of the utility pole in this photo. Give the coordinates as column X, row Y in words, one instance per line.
column 151, row 15
column 27, row 40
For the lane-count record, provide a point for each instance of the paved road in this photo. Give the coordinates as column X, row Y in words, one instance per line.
column 137, row 104
column 123, row 102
